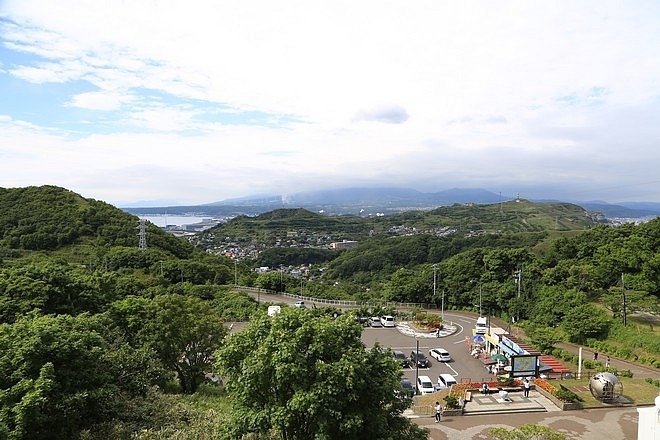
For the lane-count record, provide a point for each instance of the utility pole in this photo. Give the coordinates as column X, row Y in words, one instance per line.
column 480, row 285
column 235, row 272
column 517, row 275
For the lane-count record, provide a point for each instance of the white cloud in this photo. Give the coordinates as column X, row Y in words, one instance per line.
column 100, row 100
column 468, row 92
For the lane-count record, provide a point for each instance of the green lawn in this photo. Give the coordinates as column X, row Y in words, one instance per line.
column 638, row 391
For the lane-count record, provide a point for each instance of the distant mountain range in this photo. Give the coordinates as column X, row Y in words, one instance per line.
column 377, row 201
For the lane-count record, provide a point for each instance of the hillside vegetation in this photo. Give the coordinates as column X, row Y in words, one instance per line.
column 93, row 330
column 509, row 217
column 91, row 327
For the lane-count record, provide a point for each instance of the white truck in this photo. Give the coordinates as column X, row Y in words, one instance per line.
column 481, row 326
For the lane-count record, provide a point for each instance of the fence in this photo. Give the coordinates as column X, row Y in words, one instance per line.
column 338, row 302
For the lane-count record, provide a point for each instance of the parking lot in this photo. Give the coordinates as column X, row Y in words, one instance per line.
column 463, row 366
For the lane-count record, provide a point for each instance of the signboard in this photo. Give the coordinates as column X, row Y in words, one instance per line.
column 523, row 366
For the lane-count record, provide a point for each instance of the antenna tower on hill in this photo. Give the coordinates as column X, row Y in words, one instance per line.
column 142, row 234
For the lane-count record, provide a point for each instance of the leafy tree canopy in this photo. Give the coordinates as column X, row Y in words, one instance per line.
column 297, row 377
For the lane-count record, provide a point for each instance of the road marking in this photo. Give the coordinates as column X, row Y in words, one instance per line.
column 450, row 367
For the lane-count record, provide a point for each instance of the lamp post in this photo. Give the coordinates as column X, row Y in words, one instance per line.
column 623, row 292
column 480, row 285
column 281, row 271
column 442, row 307
column 435, row 266
column 416, row 363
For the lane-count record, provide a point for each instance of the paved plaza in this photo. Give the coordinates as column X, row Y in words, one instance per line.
column 593, row 424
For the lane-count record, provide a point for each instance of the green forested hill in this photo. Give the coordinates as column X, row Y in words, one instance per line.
column 50, row 218
column 92, row 328
column 271, row 225
column 510, row 217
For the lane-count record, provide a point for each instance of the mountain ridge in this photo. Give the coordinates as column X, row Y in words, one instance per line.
column 380, row 200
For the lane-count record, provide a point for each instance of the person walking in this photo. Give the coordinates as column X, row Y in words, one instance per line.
column 607, row 363
column 438, row 412
column 595, row 355
column 526, row 386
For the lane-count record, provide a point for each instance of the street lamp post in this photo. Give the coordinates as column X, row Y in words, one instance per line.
column 434, row 269
column 480, row 299
column 442, row 307
column 623, row 292
column 281, row 271
column 416, row 364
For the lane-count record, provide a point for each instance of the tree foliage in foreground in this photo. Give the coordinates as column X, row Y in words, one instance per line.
column 183, row 331
column 296, row 377
column 526, row 432
column 59, row 375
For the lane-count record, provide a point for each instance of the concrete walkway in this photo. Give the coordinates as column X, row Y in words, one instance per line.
column 593, row 424
column 639, row 371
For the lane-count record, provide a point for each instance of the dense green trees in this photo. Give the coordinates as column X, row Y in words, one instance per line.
column 183, row 331
column 60, row 374
column 297, row 377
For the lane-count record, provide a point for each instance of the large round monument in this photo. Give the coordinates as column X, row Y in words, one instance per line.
column 605, row 387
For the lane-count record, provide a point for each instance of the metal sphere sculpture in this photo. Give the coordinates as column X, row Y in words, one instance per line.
column 605, row 387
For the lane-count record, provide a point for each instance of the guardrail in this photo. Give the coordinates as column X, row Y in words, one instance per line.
column 337, row 302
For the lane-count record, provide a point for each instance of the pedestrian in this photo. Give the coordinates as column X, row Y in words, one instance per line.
column 437, row 333
column 607, row 363
column 438, row 412
column 526, row 386
column 484, row 388
column 595, row 355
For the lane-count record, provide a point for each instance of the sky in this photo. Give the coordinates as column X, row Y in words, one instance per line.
column 177, row 102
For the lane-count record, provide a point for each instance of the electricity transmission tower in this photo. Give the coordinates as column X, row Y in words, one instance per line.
column 142, row 234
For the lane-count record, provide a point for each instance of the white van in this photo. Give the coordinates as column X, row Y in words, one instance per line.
column 387, row 321
column 481, row 326
column 424, row 385
column 446, row 381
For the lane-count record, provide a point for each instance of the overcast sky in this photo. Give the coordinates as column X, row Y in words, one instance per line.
column 196, row 101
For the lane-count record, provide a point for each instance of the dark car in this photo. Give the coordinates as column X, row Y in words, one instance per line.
column 418, row 358
column 407, row 387
column 401, row 358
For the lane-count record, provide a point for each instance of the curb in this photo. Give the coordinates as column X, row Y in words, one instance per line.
column 405, row 329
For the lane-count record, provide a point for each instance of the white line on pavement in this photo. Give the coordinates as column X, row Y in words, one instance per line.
column 450, row 367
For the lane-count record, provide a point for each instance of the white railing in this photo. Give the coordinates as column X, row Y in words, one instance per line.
column 337, row 302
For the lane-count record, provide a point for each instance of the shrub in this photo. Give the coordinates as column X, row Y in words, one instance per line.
column 625, row 373
column 452, row 401
column 566, row 395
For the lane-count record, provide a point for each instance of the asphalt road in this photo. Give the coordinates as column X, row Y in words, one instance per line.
column 463, row 366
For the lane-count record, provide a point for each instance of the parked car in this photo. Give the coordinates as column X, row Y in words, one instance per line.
column 424, row 385
column 417, row 358
column 445, row 381
column 387, row 321
column 401, row 358
column 362, row 320
column 300, row 304
column 407, row 387
column 374, row 321
column 440, row 354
